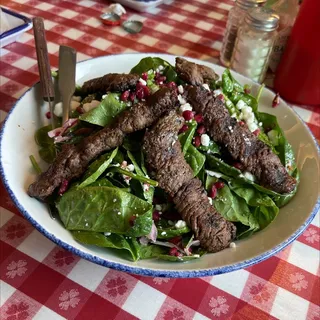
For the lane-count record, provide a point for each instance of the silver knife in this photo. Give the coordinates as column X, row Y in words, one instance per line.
column 67, row 77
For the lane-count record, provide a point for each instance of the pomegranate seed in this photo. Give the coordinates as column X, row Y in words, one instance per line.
column 173, row 252
column 237, row 165
column 48, row 115
column 256, row 132
column 221, row 97
column 132, row 220
column 219, row 185
column 201, row 129
column 125, row 95
column 247, row 89
column 157, row 75
column 80, row 110
column 198, row 118
column 175, row 240
column 188, row 115
column 241, row 123
column 63, row 187
column 213, row 192
column 140, row 93
column 144, row 76
column 132, row 96
column 276, row 100
column 146, row 91
column 156, row 215
column 184, row 128
column 172, row 85
column 197, row 141
column 161, row 79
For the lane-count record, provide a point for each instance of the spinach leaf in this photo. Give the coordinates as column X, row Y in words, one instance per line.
column 281, row 145
column 171, row 232
column 195, row 159
column 104, row 113
column 146, row 192
column 219, row 165
column 47, row 151
column 97, row 168
column 154, row 63
column 234, row 208
column 213, row 148
column 227, row 82
column 114, row 241
column 151, row 251
column 186, row 137
column 105, row 209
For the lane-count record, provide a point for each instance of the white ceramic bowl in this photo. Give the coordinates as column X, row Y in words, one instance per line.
column 17, row 143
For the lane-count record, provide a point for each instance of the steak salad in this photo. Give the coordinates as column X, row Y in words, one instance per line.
column 165, row 162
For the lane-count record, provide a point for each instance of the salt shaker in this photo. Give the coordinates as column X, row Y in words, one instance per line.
column 235, row 18
column 254, row 43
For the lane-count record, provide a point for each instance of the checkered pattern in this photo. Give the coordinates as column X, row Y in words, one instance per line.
column 42, row 281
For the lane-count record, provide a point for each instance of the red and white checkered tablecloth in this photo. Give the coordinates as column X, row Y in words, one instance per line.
column 39, row 280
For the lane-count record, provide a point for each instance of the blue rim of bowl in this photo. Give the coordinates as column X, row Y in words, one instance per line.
column 25, row 25
column 155, row 272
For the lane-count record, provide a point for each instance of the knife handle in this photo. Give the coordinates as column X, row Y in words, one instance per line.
column 43, row 59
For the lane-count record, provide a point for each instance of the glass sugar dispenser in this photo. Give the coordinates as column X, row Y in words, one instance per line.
column 254, row 43
column 235, row 18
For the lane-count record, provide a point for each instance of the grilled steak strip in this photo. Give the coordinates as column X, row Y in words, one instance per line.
column 111, row 82
column 194, row 73
column 243, row 146
column 168, row 166
column 73, row 160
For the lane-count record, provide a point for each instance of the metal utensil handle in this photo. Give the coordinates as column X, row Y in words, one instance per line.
column 67, row 77
column 43, row 59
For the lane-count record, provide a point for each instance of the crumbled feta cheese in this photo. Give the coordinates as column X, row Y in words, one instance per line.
column 232, row 245
column 210, row 200
column 124, row 164
column 58, row 109
column 185, row 107
column 145, row 187
column 143, row 82
column 230, row 129
column 180, row 89
column 130, row 167
column 76, row 98
column 90, row 105
column 205, row 140
column 74, row 105
column 205, row 85
column 104, row 96
column 161, row 68
column 181, row 99
column 114, row 200
column 119, row 213
column 260, row 124
column 217, row 92
column 158, row 207
column 180, row 224
column 214, row 174
column 107, row 234
column 241, row 104
column 163, row 233
column 249, row 176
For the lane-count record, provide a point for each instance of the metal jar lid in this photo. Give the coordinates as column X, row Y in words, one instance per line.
column 246, row 4
column 263, row 19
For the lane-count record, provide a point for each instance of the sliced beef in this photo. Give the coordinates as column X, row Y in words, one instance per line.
column 111, row 82
column 73, row 160
column 168, row 166
column 241, row 144
column 194, row 73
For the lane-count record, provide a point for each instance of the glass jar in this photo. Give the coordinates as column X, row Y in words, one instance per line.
column 254, row 43
column 235, row 18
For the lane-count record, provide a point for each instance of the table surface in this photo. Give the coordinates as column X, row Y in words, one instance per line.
column 39, row 280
